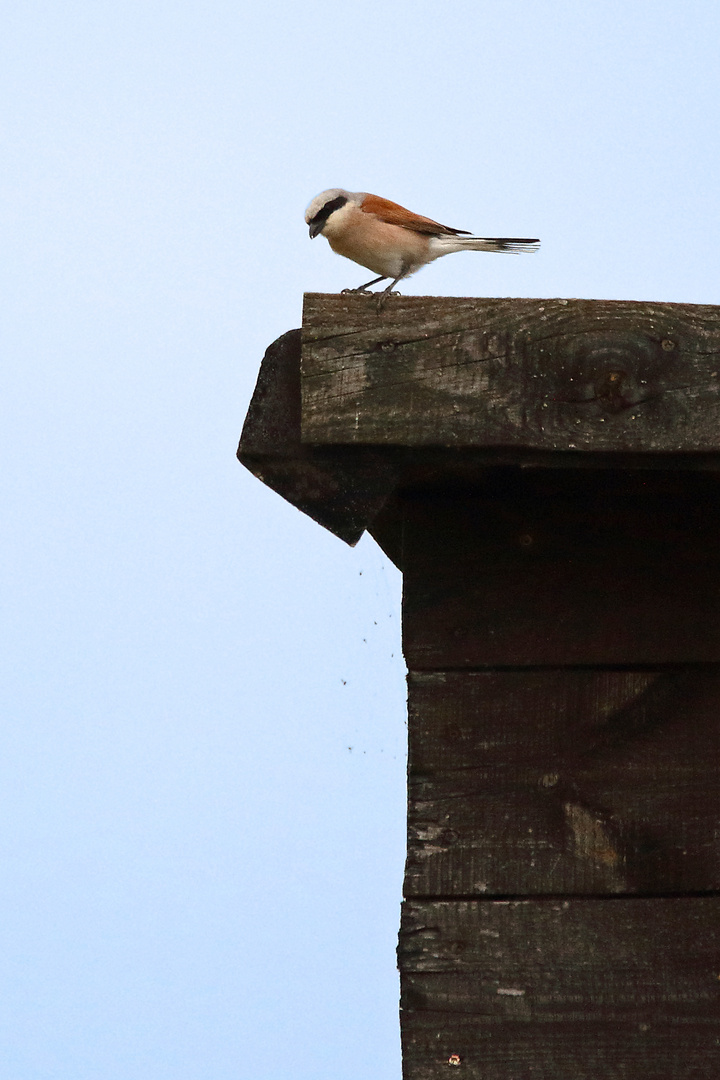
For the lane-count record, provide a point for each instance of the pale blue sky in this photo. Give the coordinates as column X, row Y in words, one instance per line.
column 200, row 881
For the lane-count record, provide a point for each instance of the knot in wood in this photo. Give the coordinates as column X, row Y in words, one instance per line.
column 610, row 388
column 614, row 372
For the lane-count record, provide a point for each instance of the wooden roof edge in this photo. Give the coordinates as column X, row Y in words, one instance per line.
column 532, row 376
column 342, row 488
column 335, row 427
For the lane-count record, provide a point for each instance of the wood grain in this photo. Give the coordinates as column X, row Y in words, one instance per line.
column 563, row 782
column 587, row 375
column 342, row 488
column 562, row 990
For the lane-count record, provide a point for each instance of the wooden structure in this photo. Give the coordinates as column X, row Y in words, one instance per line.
column 546, row 475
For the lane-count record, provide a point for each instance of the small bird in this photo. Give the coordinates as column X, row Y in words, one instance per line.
column 388, row 239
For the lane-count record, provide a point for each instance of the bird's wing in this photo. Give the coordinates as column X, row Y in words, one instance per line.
column 394, row 214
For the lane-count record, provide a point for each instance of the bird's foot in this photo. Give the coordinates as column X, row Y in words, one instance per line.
column 382, row 297
column 360, row 289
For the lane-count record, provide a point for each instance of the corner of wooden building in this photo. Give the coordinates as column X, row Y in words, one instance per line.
column 545, row 474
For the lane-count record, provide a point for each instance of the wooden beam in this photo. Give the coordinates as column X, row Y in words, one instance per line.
column 562, row 989
column 556, row 569
column 565, row 781
column 543, row 375
column 342, row 488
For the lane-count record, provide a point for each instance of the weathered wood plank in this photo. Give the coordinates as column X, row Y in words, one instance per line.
column 625, row 989
column 587, row 375
column 344, row 487
column 560, row 569
column 341, row 488
column 563, row 782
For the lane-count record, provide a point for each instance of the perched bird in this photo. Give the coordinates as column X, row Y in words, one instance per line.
column 388, row 239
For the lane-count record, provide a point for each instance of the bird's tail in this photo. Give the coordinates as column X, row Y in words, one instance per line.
column 444, row 245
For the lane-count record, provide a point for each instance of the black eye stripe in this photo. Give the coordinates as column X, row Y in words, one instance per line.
column 324, row 213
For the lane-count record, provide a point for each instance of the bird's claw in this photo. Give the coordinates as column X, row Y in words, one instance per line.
column 382, row 297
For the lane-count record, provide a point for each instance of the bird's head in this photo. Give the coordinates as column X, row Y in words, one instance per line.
column 322, row 206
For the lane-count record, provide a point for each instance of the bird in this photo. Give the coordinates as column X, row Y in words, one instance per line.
column 390, row 240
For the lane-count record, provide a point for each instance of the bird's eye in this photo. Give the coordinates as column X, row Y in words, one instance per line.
column 325, row 211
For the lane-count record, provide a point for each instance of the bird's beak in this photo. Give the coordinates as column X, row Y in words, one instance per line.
column 315, row 228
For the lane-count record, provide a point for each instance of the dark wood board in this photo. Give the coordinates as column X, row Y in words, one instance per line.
column 341, row 488
column 581, row 989
column 556, row 568
column 344, row 487
column 588, row 375
column 563, row 782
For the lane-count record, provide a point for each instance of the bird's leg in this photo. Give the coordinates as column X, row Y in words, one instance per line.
column 386, row 292
column 364, row 288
